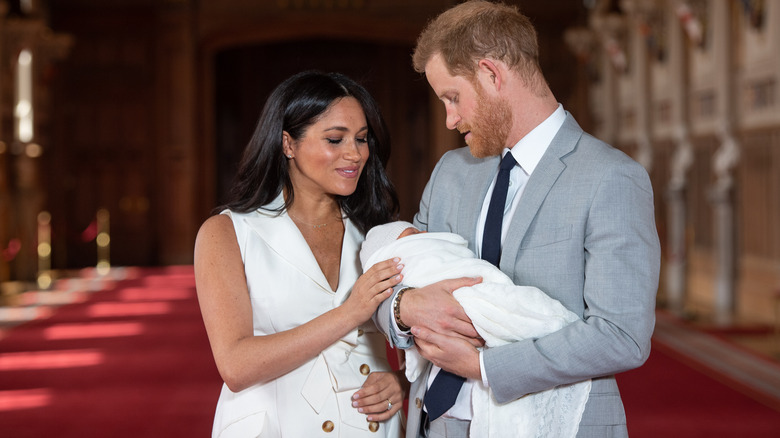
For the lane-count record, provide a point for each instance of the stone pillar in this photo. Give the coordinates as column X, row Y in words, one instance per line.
column 677, row 220
column 681, row 161
column 724, row 162
column 610, row 29
column 637, row 15
column 722, row 198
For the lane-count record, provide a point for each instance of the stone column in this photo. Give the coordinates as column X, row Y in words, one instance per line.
column 637, row 14
column 724, row 162
column 681, row 161
column 610, row 29
column 722, row 198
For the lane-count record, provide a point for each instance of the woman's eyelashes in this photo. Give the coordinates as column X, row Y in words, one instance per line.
column 361, row 140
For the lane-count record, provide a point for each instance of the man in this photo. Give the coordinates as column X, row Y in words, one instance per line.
column 577, row 222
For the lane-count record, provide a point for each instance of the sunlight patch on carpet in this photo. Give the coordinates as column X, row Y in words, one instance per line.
column 154, row 294
column 128, row 309
column 93, row 330
column 16, row 399
column 42, row 360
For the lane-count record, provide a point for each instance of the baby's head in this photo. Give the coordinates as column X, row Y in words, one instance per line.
column 382, row 235
column 409, row 231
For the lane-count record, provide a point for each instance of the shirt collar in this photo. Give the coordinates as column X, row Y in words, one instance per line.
column 529, row 150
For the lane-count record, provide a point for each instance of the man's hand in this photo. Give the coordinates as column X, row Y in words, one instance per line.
column 453, row 354
column 434, row 308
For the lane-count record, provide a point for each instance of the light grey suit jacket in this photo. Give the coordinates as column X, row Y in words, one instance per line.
column 584, row 232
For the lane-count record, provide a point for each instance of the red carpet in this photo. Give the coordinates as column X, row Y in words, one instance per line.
column 666, row 398
column 134, row 361
column 131, row 361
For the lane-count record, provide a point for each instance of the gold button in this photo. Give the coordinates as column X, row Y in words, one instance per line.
column 418, row 403
column 373, row 426
column 327, row 426
column 360, row 332
column 365, row 369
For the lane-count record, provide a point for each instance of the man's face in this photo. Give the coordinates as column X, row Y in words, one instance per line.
column 484, row 120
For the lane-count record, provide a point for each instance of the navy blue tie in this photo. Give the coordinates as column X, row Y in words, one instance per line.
column 446, row 386
column 491, row 238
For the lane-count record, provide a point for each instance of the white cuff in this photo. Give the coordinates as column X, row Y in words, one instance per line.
column 482, row 370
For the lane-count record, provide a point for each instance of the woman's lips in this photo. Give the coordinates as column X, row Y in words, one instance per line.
column 349, row 172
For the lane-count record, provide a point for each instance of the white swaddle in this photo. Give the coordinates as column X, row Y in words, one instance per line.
column 502, row 312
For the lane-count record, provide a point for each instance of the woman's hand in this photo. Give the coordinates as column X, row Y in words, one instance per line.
column 380, row 397
column 373, row 287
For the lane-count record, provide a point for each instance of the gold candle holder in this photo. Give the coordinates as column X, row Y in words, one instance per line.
column 44, row 250
column 103, row 241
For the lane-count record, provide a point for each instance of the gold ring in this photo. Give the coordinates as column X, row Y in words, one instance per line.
column 389, row 404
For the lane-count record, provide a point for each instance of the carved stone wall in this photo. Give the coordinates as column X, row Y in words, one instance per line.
column 712, row 86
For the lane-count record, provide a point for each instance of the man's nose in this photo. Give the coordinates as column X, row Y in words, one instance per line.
column 453, row 118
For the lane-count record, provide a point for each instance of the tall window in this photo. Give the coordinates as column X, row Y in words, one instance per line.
column 23, row 112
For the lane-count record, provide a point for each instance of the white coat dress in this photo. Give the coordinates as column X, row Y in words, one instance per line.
column 287, row 289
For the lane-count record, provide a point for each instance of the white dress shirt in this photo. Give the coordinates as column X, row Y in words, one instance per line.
column 527, row 152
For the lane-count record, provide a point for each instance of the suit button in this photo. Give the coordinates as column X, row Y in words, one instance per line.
column 327, row 426
column 365, row 369
column 373, row 426
column 360, row 332
column 418, row 402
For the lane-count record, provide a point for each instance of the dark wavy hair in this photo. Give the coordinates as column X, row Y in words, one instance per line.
column 295, row 105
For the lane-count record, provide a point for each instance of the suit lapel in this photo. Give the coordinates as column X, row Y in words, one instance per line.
column 538, row 186
column 477, row 181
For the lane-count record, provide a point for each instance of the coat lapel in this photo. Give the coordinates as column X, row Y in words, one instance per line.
column 538, row 186
column 350, row 267
column 279, row 232
column 478, row 179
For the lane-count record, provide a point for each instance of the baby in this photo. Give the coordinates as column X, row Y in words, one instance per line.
column 501, row 312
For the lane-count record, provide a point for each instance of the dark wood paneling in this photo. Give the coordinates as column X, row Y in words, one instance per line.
column 103, row 153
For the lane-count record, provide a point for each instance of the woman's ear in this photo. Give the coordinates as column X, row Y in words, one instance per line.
column 287, row 144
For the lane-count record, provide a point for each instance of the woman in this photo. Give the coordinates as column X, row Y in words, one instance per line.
column 286, row 311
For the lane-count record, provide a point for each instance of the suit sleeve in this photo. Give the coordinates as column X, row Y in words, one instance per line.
column 421, row 219
column 621, row 267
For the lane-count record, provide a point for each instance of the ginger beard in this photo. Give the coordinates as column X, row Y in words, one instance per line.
column 490, row 127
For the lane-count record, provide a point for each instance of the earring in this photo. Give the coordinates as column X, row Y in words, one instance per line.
column 289, row 156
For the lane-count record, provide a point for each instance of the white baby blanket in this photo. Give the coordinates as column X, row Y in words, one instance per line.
column 502, row 312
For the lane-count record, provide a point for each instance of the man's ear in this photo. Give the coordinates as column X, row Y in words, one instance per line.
column 490, row 74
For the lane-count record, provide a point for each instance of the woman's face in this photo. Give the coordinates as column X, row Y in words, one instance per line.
column 330, row 156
